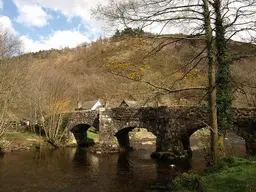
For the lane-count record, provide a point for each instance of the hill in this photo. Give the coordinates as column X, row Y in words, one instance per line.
column 134, row 68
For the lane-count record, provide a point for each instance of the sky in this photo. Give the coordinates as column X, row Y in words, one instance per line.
column 47, row 24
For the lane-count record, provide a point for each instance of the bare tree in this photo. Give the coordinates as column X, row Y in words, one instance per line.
column 50, row 101
column 225, row 19
column 232, row 18
column 245, row 83
column 10, row 75
column 212, row 81
column 170, row 13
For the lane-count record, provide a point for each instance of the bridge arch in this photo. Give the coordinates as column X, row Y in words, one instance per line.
column 79, row 123
column 243, row 127
column 246, row 128
column 123, row 138
column 80, row 133
column 172, row 125
column 134, row 137
column 185, row 137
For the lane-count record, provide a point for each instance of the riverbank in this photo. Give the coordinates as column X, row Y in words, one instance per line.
column 231, row 175
column 24, row 141
column 18, row 141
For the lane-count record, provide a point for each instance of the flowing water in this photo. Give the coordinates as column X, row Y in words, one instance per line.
column 75, row 170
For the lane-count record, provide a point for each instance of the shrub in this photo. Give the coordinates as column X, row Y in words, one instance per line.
column 227, row 160
column 190, row 181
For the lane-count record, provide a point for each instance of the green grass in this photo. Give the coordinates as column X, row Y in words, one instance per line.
column 92, row 135
column 17, row 141
column 231, row 175
column 236, row 176
column 12, row 136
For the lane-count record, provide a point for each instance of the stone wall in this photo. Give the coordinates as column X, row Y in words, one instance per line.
column 245, row 126
column 172, row 125
column 89, row 117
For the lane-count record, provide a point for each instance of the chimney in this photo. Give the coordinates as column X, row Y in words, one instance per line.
column 79, row 105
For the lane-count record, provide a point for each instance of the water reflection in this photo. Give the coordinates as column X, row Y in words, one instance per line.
column 80, row 157
column 74, row 169
column 123, row 163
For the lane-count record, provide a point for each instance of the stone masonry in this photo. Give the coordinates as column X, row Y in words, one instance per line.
column 172, row 125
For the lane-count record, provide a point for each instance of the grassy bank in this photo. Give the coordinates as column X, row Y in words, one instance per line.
column 94, row 136
column 18, row 141
column 231, row 175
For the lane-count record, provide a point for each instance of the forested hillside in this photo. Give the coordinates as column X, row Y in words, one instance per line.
column 146, row 68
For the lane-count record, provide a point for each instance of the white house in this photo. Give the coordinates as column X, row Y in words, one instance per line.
column 90, row 105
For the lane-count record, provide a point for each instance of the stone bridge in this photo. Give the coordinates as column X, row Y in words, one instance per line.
column 80, row 122
column 172, row 125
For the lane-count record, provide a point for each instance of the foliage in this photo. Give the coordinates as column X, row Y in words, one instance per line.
column 59, row 104
column 129, row 32
column 224, row 98
column 54, row 128
column 190, row 181
column 223, row 75
column 65, row 120
column 230, row 175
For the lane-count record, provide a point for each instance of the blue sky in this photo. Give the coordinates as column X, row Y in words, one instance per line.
column 46, row 24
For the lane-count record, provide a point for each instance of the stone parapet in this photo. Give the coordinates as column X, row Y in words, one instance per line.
column 171, row 125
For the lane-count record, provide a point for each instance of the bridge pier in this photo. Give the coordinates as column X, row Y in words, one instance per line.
column 250, row 141
column 171, row 125
column 114, row 132
column 107, row 138
column 246, row 128
column 251, row 147
column 171, row 149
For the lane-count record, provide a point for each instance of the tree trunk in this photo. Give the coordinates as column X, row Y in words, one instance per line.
column 211, row 78
column 223, row 76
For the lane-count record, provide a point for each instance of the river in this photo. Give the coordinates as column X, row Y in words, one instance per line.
column 76, row 170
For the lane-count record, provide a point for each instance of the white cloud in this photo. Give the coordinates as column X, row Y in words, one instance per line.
column 69, row 8
column 32, row 15
column 57, row 40
column 6, row 23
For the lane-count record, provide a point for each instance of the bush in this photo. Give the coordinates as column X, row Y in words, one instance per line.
column 190, row 181
column 132, row 32
column 231, row 175
column 227, row 161
column 223, row 163
column 65, row 121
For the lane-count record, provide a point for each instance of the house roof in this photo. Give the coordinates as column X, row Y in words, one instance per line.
column 112, row 105
column 130, row 103
column 124, row 103
column 89, row 104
